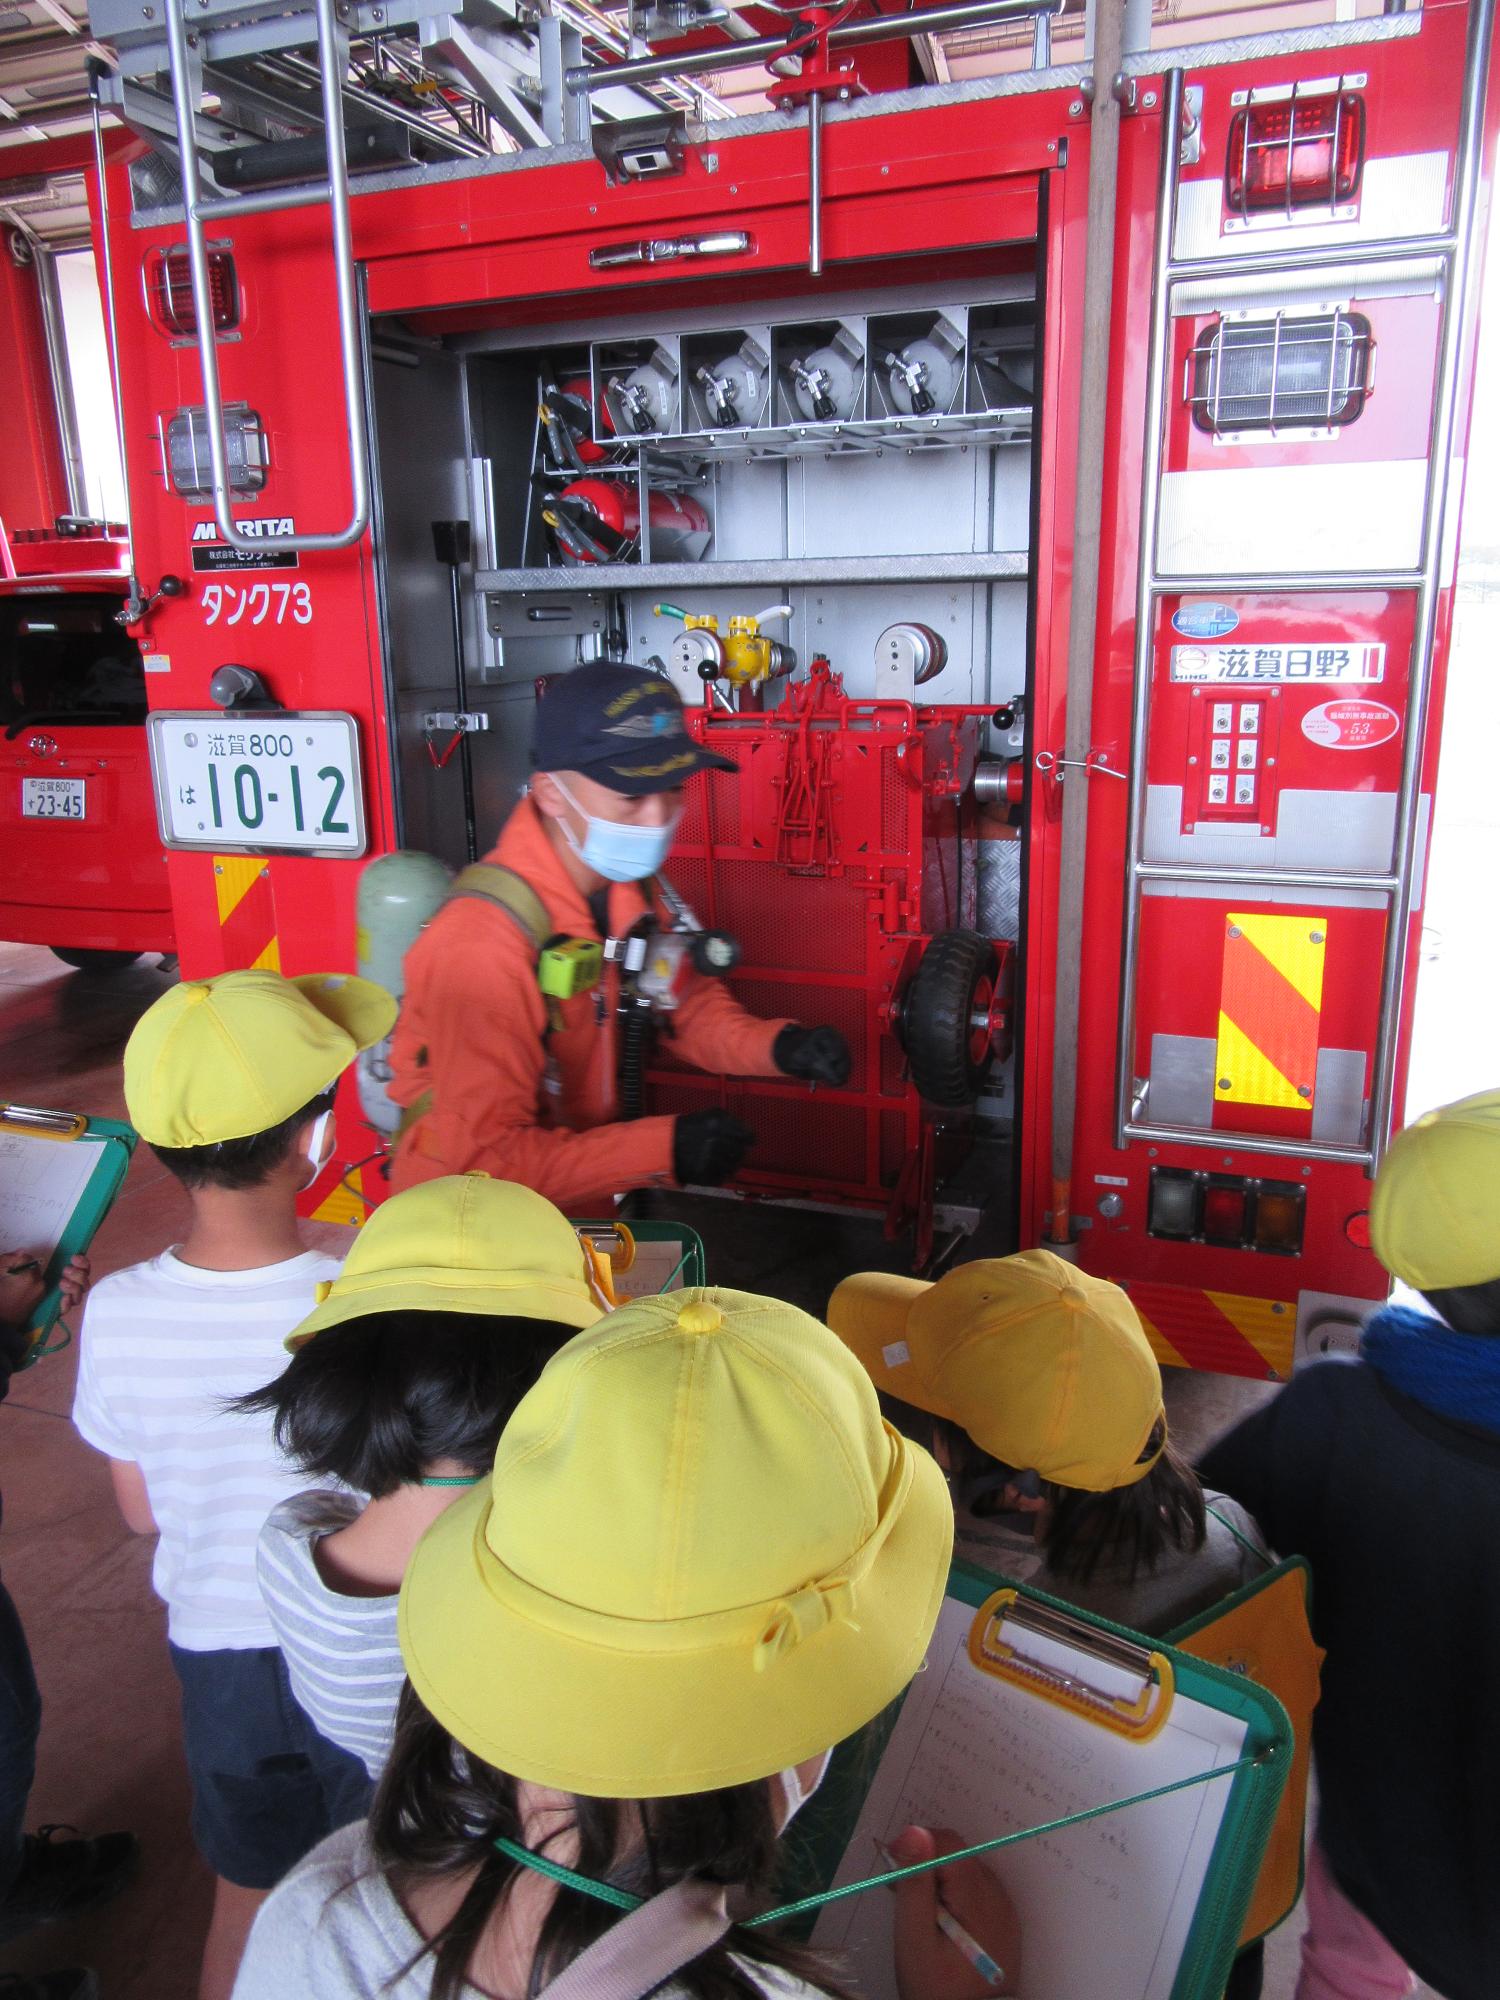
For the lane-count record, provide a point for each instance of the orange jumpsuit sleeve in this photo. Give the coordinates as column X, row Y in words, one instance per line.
column 712, row 1031
column 481, row 1019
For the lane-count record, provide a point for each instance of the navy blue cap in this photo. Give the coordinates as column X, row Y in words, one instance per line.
column 621, row 726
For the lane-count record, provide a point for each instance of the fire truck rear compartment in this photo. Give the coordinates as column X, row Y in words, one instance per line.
column 881, row 476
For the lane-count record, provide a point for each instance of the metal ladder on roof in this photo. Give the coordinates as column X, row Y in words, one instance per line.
column 199, row 208
column 1451, row 251
column 251, row 53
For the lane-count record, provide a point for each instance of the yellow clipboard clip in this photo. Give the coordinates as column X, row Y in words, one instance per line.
column 609, row 1250
column 38, row 1124
column 1138, row 1717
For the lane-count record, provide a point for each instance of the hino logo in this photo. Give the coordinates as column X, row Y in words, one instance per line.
column 208, row 531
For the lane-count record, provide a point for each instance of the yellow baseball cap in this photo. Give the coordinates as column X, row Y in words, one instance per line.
column 227, row 1057
column 1045, row 1367
column 703, row 1557
column 461, row 1244
column 1435, row 1208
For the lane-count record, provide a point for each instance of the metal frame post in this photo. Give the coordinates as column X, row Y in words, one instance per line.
column 1097, row 346
column 44, row 263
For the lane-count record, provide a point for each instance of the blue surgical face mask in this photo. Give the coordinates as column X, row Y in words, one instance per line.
column 618, row 852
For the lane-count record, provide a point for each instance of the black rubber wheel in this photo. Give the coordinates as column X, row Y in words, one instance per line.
column 93, row 961
column 953, row 985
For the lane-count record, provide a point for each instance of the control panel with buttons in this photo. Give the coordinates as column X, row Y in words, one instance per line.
column 1231, row 774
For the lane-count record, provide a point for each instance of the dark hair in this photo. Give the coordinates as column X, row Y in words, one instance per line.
column 1130, row 1525
column 375, row 1401
column 241, row 1163
column 1469, row 1308
column 439, row 1811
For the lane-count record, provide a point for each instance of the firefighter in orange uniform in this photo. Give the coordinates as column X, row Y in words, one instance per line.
column 497, row 1074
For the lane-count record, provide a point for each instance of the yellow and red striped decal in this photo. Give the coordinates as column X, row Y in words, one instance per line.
column 341, row 1203
column 1270, row 1002
column 1224, row 1333
column 247, row 914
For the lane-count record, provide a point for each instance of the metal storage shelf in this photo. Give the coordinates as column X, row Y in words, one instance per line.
column 857, row 437
column 998, row 566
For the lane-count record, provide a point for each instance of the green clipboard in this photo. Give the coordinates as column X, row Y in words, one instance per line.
column 681, row 1263
column 33, row 1140
column 827, row 1847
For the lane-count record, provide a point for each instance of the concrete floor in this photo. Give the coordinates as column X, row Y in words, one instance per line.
column 110, row 1753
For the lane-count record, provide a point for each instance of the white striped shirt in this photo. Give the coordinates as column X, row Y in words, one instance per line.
column 342, row 1656
column 165, row 1345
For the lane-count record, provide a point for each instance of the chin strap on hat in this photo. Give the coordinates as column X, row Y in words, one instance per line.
column 796, row 1618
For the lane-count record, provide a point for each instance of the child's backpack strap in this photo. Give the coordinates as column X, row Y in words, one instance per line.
column 1263, row 1633
column 637, row 1956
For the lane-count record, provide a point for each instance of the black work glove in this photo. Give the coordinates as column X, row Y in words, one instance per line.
column 707, row 1147
column 820, row 1055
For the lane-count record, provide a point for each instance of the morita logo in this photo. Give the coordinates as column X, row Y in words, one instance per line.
column 208, row 531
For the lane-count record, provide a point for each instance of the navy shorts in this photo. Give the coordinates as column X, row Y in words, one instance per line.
column 266, row 1786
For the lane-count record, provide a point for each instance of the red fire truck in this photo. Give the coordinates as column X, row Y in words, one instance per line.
column 83, row 871
column 1088, row 438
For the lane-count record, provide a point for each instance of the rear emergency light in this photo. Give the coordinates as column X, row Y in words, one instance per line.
column 1295, row 152
column 1228, row 1211
column 188, row 467
column 1275, row 372
column 169, row 292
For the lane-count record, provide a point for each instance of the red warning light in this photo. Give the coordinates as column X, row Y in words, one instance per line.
column 1224, row 1213
column 169, row 292
column 1299, row 152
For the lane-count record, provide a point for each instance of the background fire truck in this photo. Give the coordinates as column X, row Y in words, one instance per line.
column 1045, row 486
column 83, row 871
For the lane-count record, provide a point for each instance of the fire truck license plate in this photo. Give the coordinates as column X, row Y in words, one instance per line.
column 53, row 798
column 258, row 783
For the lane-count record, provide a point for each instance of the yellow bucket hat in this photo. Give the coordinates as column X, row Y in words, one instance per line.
column 461, row 1244
column 1435, row 1209
column 703, row 1557
column 1045, row 1367
column 228, row 1057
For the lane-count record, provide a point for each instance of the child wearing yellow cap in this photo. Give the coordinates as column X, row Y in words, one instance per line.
column 1049, row 1407
column 1384, row 1471
column 701, row 1560
column 401, row 1380
column 230, row 1081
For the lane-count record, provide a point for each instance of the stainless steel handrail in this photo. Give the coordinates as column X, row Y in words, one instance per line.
column 1246, row 1142
column 1145, row 596
column 1440, row 454
column 330, row 67
column 1452, row 248
column 1268, row 580
column 1315, row 880
column 1270, row 263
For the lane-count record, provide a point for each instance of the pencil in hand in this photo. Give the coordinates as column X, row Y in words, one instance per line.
column 970, row 1947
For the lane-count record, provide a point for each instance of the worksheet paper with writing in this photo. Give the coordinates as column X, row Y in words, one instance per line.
column 42, row 1181
column 1105, row 1907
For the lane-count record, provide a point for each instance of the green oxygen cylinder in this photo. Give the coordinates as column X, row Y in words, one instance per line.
column 398, row 896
